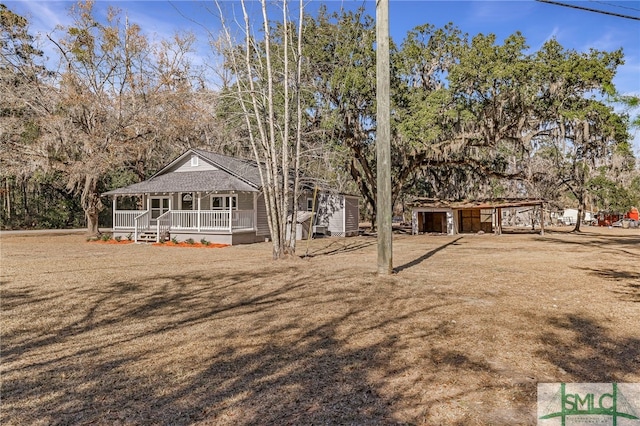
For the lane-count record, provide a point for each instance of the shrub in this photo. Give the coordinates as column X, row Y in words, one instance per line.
column 118, row 238
column 174, row 240
column 190, row 241
column 129, row 236
column 204, row 242
column 105, row 237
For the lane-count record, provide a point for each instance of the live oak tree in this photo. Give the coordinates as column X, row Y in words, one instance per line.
column 118, row 96
column 468, row 114
column 579, row 134
column 436, row 129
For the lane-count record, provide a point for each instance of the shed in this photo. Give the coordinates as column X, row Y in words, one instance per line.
column 339, row 214
column 431, row 215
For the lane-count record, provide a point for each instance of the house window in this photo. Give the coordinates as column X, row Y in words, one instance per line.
column 217, row 203
column 194, row 161
column 309, row 204
column 186, row 201
column 224, row 202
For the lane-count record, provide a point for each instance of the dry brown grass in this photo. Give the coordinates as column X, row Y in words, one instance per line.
column 136, row 334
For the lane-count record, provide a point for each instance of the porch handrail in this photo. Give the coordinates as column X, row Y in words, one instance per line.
column 125, row 219
column 163, row 225
column 140, row 222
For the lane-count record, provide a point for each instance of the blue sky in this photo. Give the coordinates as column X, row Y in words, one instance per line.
column 537, row 21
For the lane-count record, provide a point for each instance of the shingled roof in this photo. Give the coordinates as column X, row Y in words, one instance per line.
column 234, row 175
column 244, row 169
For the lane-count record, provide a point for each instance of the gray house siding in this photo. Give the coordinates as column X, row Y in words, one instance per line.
column 245, row 201
column 262, row 223
column 185, row 166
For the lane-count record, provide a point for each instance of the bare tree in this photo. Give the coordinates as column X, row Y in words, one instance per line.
column 267, row 90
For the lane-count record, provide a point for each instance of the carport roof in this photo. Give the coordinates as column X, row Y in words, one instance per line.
column 476, row 204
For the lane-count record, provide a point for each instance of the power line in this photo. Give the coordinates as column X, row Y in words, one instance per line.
column 615, row 5
column 604, row 12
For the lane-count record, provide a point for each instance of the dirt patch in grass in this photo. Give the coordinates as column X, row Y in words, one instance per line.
column 460, row 335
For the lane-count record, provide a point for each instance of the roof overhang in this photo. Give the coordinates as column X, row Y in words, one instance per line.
column 212, row 181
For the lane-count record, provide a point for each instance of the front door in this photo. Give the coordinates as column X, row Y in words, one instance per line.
column 159, row 206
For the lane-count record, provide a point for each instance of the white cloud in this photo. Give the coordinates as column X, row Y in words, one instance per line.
column 43, row 16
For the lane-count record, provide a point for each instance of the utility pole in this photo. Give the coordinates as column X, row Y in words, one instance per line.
column 383, row 140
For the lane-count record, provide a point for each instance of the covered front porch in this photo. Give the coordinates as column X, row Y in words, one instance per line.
column 213, row 216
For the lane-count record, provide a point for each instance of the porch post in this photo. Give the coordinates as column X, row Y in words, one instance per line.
column 115, row 205
column 198, row 195
column 230, row 215
column 541, row 218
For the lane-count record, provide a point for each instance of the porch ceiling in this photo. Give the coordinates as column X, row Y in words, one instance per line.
column 202, row 181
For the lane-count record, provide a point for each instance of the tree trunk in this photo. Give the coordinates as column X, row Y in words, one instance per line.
column 92, row 223
column 25, row 203
column 579, row 218
column 91, row 204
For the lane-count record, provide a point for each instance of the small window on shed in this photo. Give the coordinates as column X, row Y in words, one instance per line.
column 310, row 204
column 194, row 161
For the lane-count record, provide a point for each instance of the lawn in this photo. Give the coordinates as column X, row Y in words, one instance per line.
column 460, row 335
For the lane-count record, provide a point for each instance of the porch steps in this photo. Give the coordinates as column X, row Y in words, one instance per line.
column 150, row 237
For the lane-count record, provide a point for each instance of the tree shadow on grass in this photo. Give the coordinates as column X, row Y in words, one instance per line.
column 263, row 345
column 170, row 305
column 339, row 247
column 426, row 256
column 587, row 352
column 316, row 380
column 618, row 245
column 105, row 366
column 628, row 287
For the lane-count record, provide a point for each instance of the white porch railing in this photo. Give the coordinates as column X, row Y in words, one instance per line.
column 214, row 220
column 184, row 220
column 140, row 224
column 125, row 219
column 163, row 225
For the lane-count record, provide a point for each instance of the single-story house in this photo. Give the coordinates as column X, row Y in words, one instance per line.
column 430, row 215
column 203, row 194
